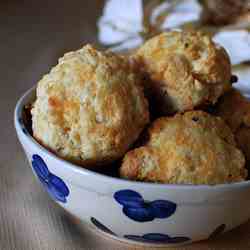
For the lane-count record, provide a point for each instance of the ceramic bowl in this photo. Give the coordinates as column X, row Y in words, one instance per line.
column 144, row 213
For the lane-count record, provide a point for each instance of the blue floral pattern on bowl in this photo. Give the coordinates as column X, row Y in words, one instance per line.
column 137, row 209
column 158, row 238
column 155, row 238
column 54, row 185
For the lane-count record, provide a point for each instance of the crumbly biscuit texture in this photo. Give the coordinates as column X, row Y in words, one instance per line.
column 190, row 148
column 186, row 70
column 234, row 108
column 90, row 108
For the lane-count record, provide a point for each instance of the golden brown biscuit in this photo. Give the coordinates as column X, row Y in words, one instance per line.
column 90, row 108
column 234, row 108
column 193, row 148
column 187, row 69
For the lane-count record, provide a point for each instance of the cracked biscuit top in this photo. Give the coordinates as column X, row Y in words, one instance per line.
column 90, row 107
column 190, row 148
column 186, row 70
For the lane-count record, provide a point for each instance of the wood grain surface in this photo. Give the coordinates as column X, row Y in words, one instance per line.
column 32, row 35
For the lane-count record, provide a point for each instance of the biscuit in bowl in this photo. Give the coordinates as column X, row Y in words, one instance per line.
column 234, row 108
column 90, row 108
column 186, row 70
column 190, row 148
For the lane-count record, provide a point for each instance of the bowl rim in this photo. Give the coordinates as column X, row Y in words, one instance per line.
column 83, row 171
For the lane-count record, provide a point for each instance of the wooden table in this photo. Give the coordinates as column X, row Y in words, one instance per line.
column 32, row 35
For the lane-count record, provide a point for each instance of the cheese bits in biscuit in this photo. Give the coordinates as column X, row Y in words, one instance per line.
column 90, row 108
column 190, row 148
column 186, row 70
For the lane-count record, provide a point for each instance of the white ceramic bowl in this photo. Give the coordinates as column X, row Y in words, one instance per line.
column 136, row 212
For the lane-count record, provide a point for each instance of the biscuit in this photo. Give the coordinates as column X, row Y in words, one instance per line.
column 234, row 108
column 193, row 148
column 186, row 70
column 90, row 108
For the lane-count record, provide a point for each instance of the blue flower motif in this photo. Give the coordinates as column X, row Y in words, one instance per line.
column 219, row 230
column 54, row 185
column 148, row 238
column 158, row 238
column 100, row 226
column 136, row 208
